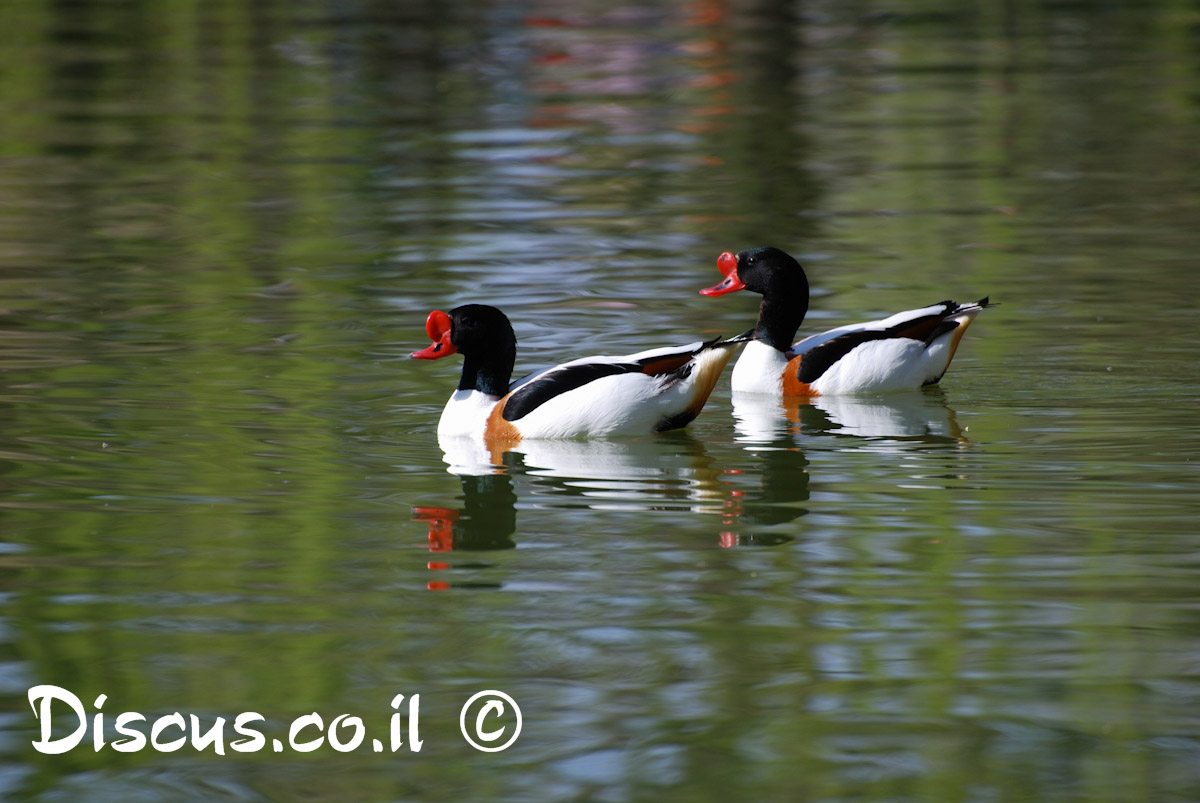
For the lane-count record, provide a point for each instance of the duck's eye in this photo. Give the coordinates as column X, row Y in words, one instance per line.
column 437, row 347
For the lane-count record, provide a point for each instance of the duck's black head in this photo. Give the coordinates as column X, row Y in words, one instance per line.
column 778, row 278
column 485, row 338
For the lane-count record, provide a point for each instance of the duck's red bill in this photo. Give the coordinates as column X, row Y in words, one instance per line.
column 437, row 326
column 727, row 263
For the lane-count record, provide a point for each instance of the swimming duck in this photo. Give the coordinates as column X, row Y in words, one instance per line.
column 651, row 391
column 908, row 350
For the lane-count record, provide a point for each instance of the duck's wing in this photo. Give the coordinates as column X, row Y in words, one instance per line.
column 925, row 325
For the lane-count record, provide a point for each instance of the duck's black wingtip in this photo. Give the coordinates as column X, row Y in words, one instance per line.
column 982, row 303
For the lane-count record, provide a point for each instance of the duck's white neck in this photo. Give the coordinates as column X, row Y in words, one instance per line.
column 466, row 414
column 759, row 369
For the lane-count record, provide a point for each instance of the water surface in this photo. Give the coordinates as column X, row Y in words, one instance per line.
column 221, row 228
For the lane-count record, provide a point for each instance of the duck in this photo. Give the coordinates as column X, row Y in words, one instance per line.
column 906, row 351
column 651, row 391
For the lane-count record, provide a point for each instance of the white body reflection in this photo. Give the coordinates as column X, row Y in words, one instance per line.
column 470, row 456
column 763, row 419
column 654, row 472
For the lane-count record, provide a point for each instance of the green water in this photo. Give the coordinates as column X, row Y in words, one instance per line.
column 222, row 226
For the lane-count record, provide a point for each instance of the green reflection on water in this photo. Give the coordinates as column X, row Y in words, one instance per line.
column 221, row 228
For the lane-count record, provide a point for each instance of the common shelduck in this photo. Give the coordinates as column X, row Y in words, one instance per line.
column 906, row 351
column 651, row 391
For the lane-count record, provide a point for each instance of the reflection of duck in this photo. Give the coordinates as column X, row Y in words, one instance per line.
column 782, row 486
column 674, row 473
column 906, row 351
column 770, row 427
column 651, row 391
column 486, row 521
column 781, row 471
column 921, row 415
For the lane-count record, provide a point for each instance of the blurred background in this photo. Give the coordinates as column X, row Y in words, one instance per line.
column 222, row 225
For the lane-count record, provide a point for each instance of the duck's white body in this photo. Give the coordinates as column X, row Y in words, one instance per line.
column 622, row 403
column 465, row 414
column 759, row 370
column 891, row 362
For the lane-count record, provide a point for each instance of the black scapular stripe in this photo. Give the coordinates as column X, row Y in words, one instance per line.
column 928, row 328
column 670, row 368
column 541, row 390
